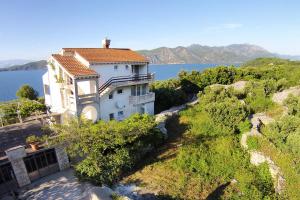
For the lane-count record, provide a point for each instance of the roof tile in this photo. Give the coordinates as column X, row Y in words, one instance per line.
column 73, row 66
column 110, row 55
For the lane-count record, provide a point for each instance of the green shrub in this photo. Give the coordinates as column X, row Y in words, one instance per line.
column 108, row 149
column 244, row 126
column 26, row 91
column 32, row 139
column 167, row 95
column 26, row 107
column 252, row 142
column 293, row 104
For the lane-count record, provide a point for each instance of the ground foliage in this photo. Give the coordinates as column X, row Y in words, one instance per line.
column 272, row 74
column 210, row 155
column 9, row 110
column 107, row 150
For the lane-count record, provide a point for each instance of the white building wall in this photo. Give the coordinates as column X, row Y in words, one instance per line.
column 120, row 102
column 47, row 94
column 86, row 87
column 108, row 106
column 108, row 71
column 55, row 95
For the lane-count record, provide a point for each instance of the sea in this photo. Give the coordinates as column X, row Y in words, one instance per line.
column 11, row 81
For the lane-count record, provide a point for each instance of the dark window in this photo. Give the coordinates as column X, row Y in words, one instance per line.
column 126, row 67
column 135, row 69
column 116, row 67
column 111, row 116
column 133, row 90
column 47, row 89
column 110, row 96
column 138, row 90
column 144, row 87
column 120, row 91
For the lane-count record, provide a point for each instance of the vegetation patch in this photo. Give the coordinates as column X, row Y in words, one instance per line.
column 107, row 150
column 252, row 142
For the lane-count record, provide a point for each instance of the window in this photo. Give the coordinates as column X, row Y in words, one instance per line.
column 47, row 89
column 138, row 91
column 133, row 90
column 70, row 81
column 116, row 67
column 126, row 67
column 111, row 116
column 144, row 89
column 111, row 96
column 135, row 69
column 120, row 113
column 120, row 91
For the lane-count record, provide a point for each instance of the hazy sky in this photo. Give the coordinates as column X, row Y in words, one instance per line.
column 33, row 29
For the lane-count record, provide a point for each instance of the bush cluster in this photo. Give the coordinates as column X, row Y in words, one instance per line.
column 213, row 154
column 108, row 149
column 272, row 75
column 8, row 110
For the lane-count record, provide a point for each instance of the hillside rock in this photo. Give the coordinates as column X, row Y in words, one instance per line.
column 28, row 66
column 232, row 54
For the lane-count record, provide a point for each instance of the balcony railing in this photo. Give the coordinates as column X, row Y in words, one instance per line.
column 87, row 98
column 142, row 99
column 126, row 79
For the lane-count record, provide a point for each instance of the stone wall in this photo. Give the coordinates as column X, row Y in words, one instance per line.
column 62, row 158
column 162, row 117
column 15, row 156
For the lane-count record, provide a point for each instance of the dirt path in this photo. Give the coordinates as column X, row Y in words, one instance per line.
column 256, row 157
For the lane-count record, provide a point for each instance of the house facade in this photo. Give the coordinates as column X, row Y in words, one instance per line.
column 98, row 83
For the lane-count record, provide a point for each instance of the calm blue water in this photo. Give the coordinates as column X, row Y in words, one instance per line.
column 163, row 72
column 10, row 82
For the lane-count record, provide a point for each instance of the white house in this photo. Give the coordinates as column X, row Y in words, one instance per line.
column 98, row 83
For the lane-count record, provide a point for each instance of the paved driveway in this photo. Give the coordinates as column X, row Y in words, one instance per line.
column 59, row 186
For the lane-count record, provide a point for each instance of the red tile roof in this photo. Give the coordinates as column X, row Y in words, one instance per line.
column 110, row 55
column 73, row 66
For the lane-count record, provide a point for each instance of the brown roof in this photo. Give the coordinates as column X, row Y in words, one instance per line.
column 102, row 55
column 73, row 66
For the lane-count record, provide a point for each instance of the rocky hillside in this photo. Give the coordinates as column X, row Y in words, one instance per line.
column 236, row 53
column 28, row 66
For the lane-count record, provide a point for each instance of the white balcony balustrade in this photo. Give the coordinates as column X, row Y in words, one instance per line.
column 149, row 97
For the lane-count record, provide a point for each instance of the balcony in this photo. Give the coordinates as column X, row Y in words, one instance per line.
column 127, row 80
column 87, row 98
column 134, row 100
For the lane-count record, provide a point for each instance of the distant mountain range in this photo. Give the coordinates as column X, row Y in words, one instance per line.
column 198, row 54
column 28, row 66
column 12, row 62
column 193, row 54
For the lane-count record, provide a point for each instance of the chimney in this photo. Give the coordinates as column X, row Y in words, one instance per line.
column 105, row 43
